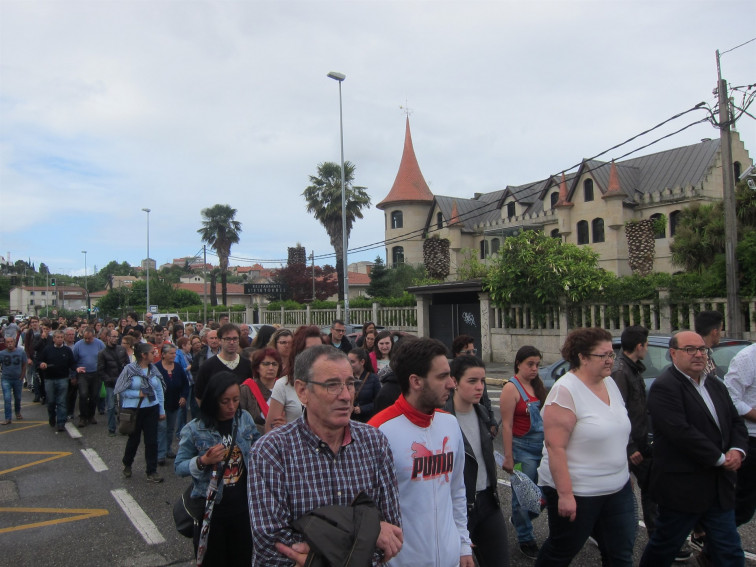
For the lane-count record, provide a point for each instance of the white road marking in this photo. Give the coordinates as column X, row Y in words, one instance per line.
column 72, row 431
column 94, row 460
column 750, row 556
column 137, row 517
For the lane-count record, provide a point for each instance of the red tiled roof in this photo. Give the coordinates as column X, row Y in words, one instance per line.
column 355, row 278
column 409, row 184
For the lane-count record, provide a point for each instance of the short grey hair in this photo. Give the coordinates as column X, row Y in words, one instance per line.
column 306, row 359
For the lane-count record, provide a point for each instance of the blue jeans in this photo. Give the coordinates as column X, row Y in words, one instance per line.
column 56, row 390
column 166, row 433
column 611, row 518
column 12, row 388
column 672, row 527
column 526, row 450
column 110, row 400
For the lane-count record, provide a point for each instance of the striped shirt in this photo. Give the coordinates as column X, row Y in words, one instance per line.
column 292, row 472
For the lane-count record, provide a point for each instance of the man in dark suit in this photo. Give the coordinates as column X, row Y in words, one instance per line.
column 699, row 443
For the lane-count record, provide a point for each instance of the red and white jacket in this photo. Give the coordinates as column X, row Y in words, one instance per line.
column 429, row 457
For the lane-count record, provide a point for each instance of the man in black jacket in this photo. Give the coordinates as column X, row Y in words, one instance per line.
column 699, row 444
column 110, row 363
column 56, row 360
column 338, row 336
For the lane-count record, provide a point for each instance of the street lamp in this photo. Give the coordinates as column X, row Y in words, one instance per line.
column 148, row 259
column 344, row 244
column 86, row 287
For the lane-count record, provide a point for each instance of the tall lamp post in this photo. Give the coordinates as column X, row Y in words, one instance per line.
column 148, row 259
column 344, row 244
column 86, row 287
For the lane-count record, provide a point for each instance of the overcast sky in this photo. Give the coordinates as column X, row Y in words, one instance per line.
column 107, row 107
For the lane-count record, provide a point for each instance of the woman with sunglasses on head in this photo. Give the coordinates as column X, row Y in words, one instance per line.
column 584, row 473
column 256, row 391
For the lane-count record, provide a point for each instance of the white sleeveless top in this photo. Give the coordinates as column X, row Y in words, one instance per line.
column 596, row 451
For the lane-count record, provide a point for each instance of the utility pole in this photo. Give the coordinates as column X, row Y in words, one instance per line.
column 204, row 270
column 734, row 321
column 312, row 256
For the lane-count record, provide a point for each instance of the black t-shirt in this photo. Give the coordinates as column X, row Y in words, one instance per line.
column 234, row 499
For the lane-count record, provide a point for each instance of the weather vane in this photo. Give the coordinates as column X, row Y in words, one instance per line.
column 406, row 109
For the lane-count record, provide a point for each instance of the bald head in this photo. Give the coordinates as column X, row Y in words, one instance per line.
column 688, row 352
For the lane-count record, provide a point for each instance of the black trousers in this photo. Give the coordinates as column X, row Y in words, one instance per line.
column 147, row 424
column 89, row 393
column 488, row 531
column 229, row 542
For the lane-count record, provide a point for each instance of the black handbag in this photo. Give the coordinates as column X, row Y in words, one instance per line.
column 127, row 419
column 188, row 512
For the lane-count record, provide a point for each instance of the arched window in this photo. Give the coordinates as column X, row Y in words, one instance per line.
column 582, row 232
column 397, row 219
column 588, row 190
column 555, row 233
column 554, row 199
column 597, row 227
column 495, row 245
column 661, row 233
column 674, row 217
column 397, row 255
column 510, row 210
column 483, row 249
column 737, row 170
column 439, row 221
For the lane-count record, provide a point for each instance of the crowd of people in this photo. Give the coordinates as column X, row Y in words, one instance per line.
column 277, row 429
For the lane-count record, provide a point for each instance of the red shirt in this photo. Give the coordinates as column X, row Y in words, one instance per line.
column 521, row 418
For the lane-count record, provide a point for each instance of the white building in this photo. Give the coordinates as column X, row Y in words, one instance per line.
column 32, row 300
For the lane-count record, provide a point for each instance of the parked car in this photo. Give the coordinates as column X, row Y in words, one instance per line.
column 352, row 331
column 656, row 360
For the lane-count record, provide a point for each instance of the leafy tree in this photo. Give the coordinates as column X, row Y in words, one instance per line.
column 220, row 231
column 43, row 269
column 297, row 281
column 380, row 284
column 533, row 268
column 323, row 198
column 699, row 236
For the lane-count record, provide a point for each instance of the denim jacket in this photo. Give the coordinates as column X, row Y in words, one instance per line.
column 197, row 438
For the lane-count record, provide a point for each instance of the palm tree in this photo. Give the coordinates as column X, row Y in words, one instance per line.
column 220, row 230
column 324, row 201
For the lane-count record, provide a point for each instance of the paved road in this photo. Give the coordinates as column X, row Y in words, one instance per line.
column 63, row 501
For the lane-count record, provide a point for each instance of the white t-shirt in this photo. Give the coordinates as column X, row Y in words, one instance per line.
column 286, row 395
column 596, row 451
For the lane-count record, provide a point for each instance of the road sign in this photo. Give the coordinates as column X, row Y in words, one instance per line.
column 153, row 308
column 263, row 289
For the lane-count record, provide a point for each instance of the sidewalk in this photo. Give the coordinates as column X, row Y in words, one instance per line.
column 497, row 373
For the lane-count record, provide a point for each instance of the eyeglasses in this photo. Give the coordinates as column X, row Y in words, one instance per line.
column 691, row 350
column 269, row 363
column 603, row 357
column 335, row 388
column 231, row 339
column 470, row 351
column 338, row 330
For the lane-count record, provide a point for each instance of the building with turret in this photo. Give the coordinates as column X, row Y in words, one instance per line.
column 594, row 206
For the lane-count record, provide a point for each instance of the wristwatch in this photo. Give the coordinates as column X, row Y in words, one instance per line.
column 200, row 466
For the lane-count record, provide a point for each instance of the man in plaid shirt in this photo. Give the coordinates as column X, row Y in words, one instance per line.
column 320, row 459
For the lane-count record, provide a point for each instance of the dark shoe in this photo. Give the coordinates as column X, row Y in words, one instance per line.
column 6, row 422
column 19, row 417
column 43, row 401
column 683, row 554
column 36, row 399
column 51, row 421
column 61, row 428
column 82, row 423
column 697, row 542
column 529, row 549
column 127, row 471
column 170, row 456
column 161, row 463
column 155, row 478
column 92, row 421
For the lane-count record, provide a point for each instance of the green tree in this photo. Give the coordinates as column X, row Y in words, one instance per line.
column 323, row 198
column 380, row 284
column 220, row 231
column 535, row 269
column 699, row 236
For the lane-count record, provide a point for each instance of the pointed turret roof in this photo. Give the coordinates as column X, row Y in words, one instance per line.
column 563, row 198
column 454, row 214
column 614, row 188
column 409, row 185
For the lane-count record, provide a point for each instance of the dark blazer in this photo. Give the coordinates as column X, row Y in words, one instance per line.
column 688, row 443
